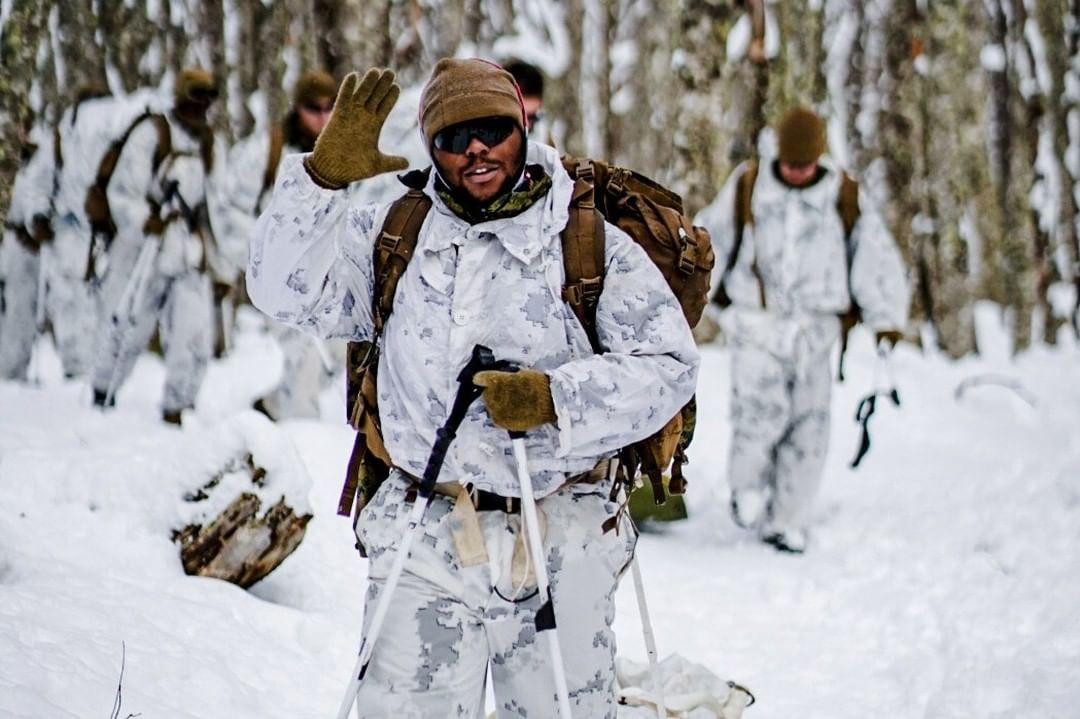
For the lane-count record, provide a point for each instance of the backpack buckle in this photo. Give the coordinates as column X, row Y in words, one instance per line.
column 616, row 184
column 584, row 171
column 389, row 243
column 584, row 293
column 686, row 257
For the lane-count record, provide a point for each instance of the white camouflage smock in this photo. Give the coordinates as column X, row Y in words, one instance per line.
column 20, row 265
column 781, row 372
column 175, row 294
column 307, row 368
column 497, row 284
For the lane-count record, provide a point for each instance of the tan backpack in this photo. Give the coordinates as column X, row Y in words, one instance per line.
column 652, row 215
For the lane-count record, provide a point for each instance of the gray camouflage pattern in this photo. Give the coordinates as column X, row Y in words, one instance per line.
column 781, row 368
column 178, row 296
column 499, row 284
column 20, row 266
column 447, row 622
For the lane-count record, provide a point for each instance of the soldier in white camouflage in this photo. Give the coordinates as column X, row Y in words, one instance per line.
column 307, row 367
column 27, row 227
column 488, row 269
column 795, row 266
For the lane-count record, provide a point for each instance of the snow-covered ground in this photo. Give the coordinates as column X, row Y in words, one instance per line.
column 943, row 578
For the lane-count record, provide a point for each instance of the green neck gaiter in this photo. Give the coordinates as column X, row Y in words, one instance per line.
column 535, row 185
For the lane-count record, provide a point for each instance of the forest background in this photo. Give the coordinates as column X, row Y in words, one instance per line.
column 959, row 117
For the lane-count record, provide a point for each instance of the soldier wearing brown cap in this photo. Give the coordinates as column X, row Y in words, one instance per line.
column 307, row 365
column 802, row 245
column 163, row 250
column 486, row 269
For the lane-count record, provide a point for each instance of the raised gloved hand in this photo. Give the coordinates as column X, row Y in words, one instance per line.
column 348, row 147
column 889, row 337
column 517, row 400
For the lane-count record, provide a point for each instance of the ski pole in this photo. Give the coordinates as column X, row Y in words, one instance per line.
column 130, row 300
column 545, row 616
column 468, row 392
column 39, row 314
column 646, row 622
column 650, row 639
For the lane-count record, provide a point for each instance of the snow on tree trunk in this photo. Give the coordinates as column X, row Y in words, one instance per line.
column 1008, row 278
column 595, row 78
column 897, row 136
column 83, row 58
column 129, row 34
column 698, row 57
column 23, row 32
column 798, row 71
column 854, row 85
column 211, row 24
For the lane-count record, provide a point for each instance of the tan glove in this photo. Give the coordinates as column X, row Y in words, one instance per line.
column 518, row 400
column 348, row 147
column 889, row 337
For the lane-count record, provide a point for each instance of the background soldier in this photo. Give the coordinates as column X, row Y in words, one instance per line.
column 802, row 245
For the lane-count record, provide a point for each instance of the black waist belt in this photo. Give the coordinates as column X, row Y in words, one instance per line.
column 486, row 501
column 483, row 500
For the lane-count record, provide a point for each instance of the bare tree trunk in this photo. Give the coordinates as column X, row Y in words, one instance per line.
column 941, row 251
column 83, row 59
column 700, row 33
column 898, row 133
column 1009, row 258
column 272, row 31
column 211, row 24
column 376, row 48
column 595, row 82
column 174, row 35
column 798, row 72
column 23, row 33
column 854, row 86
column 1061, row 19
column 128, row 33
column 1034, row 105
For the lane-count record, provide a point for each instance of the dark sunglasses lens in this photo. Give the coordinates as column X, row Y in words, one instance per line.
column 456, row 138
column 312, row 107
column 203, row 95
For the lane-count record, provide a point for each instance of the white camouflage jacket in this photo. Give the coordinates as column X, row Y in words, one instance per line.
column 797, row 239
column 31, row 194
column 498, row 284
column 135, row 182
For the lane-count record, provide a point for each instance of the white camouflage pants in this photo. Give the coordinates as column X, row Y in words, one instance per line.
column 780, row 430
column 303, row 375
column 71, row 303
column 447, row 623
column 19, row 275
column 183, row 306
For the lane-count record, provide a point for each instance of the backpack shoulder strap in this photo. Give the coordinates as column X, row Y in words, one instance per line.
column 744, row 211
column 394, row 248
column 583, row 243
column 164, row 138
column 273, row 159
column 112, row 155
column 847, row 203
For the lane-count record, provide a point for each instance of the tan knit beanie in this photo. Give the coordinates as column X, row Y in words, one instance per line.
column 461, row 90
column 193, row 81
column 802, row 136
column 314, row 86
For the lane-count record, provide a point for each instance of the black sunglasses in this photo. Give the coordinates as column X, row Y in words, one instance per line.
column 317, row 108
column 489, row 130
column 203, row 95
